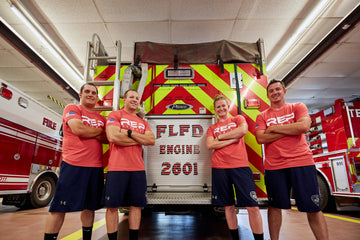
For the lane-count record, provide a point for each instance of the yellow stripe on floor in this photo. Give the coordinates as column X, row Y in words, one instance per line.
column 342, row 218
column 78, row 234
column 336, row 217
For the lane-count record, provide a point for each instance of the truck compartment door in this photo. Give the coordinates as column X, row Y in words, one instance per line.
column 340, row 174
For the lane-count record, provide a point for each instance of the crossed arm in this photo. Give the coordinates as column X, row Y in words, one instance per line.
column 83, row 131
column 228, row 138
column 276, row 132
column 119, row 136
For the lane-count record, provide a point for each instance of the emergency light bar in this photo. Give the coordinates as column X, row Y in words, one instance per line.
column 179, row 73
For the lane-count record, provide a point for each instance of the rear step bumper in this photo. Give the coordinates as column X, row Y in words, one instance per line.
column 199, row 198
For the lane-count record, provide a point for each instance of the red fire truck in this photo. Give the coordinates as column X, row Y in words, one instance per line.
column 334, row 139
column 30, row 149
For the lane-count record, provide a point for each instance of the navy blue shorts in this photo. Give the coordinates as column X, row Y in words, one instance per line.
column 304, row 183
column 78, row 188
column 125, row 188
column 226, row 181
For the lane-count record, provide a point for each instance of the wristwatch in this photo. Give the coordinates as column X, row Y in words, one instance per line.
column 129, row 133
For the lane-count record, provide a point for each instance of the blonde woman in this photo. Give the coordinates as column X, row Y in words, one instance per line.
column 230, row 168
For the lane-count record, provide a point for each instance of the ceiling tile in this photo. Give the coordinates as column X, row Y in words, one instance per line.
column 69, row 11
column 130, row 32
column 200, row 31
column 332, row 69
column 187, row 10
column 113, row 11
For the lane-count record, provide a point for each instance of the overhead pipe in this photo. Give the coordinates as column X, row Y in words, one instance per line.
column 344, row 27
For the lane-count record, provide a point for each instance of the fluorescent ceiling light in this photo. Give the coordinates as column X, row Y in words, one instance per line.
column 302, row 29
column 50, row 46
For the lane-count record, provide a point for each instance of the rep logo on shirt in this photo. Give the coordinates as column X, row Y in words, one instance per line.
column 289, row 118
column 92, row 122
column 128, row 124
column 224, row 129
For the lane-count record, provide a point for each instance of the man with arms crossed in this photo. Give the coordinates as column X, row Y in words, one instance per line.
column 288, row 161
column 126, row 179
column 81, row 180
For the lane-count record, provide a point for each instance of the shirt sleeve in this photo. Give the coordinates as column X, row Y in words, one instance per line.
column 112, row 120
column 260, row 122
column 239, row 119
column 210, row 132
column 71, row 112
column 147, row 126
column 300, row 111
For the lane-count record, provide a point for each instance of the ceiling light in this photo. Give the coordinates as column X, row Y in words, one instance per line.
column 47, row 42
column 302, row 29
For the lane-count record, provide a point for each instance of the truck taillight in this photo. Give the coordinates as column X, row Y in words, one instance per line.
column 6, row 93
column 252, row 103
column 107, row 103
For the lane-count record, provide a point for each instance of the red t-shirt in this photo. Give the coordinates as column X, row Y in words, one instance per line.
column 233, row 155
column 127, row 158
column 84, row 152
column 289, row 151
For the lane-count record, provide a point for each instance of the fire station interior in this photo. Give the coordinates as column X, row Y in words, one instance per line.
column 312, row 46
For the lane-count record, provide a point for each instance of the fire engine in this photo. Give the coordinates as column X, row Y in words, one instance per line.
column 334, row 141
column 30, row 149
column 177, row 84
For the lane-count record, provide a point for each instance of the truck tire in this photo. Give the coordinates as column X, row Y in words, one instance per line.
column 42, row 193
column 327, row 202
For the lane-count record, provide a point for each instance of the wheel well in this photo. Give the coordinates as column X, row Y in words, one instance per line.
column 327, row 200
column 326, row 180
column 44, row 174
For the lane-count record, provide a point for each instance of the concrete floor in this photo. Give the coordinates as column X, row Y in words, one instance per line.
column 30, row 224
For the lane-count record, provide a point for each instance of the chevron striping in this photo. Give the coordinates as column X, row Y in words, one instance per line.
column 250, row 140
column 202, row 97
column 206, row 73
column 250, row 82
column 260, row 184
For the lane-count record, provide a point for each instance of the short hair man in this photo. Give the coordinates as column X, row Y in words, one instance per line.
column 288, row 161
column 81, row 179
column 126, row 179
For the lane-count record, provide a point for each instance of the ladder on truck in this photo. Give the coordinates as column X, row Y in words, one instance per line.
column 96, row 55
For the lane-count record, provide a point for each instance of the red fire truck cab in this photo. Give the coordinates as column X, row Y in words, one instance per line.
column 30, row 149
column 334, row 139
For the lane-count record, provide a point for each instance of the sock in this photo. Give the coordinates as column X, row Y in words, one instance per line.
column 50, row 236
column 258, row 236
column 87, row 231
column 133, row 234
column 234, row 234
column 112, row 236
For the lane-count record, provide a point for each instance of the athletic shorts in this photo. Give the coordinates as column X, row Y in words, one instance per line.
column 124, row 189
column 227, row 181
column 78, row 188
column 303, row 181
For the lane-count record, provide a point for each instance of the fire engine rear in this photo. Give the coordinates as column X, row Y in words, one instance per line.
column 177, row 84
